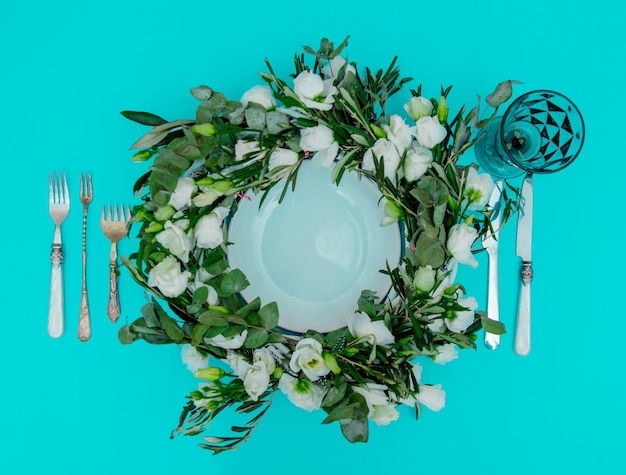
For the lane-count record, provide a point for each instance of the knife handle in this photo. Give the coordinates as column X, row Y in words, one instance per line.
column 522, row 329
column 492, row 341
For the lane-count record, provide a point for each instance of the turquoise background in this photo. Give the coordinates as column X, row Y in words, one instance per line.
column 66, row 71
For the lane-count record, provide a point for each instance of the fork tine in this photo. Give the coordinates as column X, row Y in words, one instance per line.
column 50, row 189
column 66, row 191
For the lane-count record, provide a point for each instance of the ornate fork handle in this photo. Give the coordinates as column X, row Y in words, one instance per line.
column 113, row 309
column 56, row 320
column 84, row 318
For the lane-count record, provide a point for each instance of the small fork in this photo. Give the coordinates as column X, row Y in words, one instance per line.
column 84, row 319
column 115, row 228
column 59, row 207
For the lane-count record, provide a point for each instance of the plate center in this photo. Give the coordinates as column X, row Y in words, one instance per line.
column 313, row 243
column 316, row 251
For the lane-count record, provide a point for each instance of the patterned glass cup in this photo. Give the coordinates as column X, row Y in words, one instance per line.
column 541, row 132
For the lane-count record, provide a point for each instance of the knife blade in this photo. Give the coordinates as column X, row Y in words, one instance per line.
column 523, row 249
column 490, row 243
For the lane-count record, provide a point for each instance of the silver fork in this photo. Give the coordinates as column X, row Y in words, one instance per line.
column 84, row 319
column 115, row 228
column 59, row 207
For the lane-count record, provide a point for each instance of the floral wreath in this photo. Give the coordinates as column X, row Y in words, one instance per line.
column 336, row 117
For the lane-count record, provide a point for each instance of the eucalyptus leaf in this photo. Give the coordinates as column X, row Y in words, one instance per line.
column 202, row 93
column 125, row 335
column 171, row 327
column 235, row 281
column 503, row 93
column 269, row 315
column 255, row 117
column 429, row 251
column 256, row 338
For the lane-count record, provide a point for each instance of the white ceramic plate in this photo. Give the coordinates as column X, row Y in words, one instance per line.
column 316, row 251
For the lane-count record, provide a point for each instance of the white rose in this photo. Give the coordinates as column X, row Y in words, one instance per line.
column 429, row 132
column 256, row 380
column 319, row 139
column 433, row 397
column 460, row 241
column 331, row 70
column 386, row 151
column 301, row 392
column 478, row 188
column 237, row 363
column 446, row 353
column 380, row 409
column 261, row 95
column 418, row 107
column 360, row 325
column 245, row 148
column 231, row 343
column 176, row 240
column 193, row 358
column 398, row 133
column 168, row 277
column 308, row 358
column 416, row 162
column 463, row 318
column 316, row 138
column 208, row 230
column 314, row 92
column 282, row 157
column 181, row 196
column 264, row 355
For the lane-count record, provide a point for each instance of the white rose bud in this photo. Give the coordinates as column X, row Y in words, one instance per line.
column 418, row 107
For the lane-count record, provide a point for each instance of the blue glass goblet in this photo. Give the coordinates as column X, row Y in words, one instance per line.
column 541, row 132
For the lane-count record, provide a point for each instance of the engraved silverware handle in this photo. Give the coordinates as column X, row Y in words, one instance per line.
column 84, row 318
column 522, row 329
column 492, row 341
column 113, row 309
column 56, row 318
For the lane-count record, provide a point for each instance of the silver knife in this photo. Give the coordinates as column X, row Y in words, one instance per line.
column 490, row 243
column 523, row 249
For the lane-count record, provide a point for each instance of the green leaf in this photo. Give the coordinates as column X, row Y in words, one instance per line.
column 429, row 251
column 235, row 281
column 197, row 335
column 431, row 191
column 201, row 294
column 269, row 315
column 503, row 93
column 492, row 326
column 256, row 338
column 255, row 117
column 171, row 327
column 212, row 318
column 144, row 118
column 202, row 93
column 125, row 336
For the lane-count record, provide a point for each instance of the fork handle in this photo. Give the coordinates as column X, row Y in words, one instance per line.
column 113, row 310
column 56, row 319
